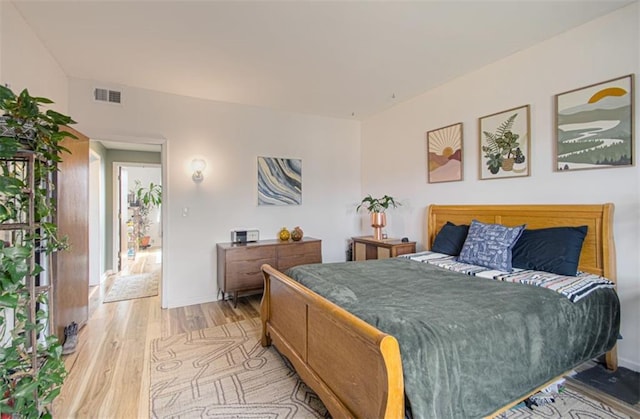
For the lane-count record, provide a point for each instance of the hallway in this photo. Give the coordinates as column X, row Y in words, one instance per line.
column 109, row 371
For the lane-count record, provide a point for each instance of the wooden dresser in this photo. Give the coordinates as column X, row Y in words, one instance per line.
column 239, row 264
column 365, row 248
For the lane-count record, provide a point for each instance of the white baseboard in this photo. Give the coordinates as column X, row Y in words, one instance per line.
column 192, row 301
column 633, row 366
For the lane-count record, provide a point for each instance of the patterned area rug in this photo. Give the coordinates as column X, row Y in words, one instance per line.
column 223, row 372
column 129, row 287
column 569, row 404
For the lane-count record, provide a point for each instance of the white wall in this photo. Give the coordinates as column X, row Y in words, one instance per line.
column 230, row 138
column 26, row 63
column 600, row 50
column 1, row 36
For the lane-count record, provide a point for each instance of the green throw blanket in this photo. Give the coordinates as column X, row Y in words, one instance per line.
column 469, row 345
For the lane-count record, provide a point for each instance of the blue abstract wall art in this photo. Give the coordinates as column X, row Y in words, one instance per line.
column 279, row 181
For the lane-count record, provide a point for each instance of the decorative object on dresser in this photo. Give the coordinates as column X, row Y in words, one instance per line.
column 505, row 142
column 365, row 248
column 594, row 126
column 284, row 234
column 245, row 235
column 444, row 154
column 239, row 264
column 296, row 234
column 377, row 208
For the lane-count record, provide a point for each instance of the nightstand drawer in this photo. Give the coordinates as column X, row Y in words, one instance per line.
column 365, row 248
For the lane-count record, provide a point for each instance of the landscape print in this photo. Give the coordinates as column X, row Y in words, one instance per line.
column 279, row 181
column 444, row 154
column 594, row 126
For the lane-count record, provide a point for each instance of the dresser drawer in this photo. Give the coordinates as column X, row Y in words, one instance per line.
column 245, row 278
column 244, row 254
column 298, row 254
column 293, row 249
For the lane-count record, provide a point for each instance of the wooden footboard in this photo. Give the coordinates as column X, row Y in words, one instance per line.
column 315, row 334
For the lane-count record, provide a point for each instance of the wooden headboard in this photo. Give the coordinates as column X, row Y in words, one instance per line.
column 598, row 251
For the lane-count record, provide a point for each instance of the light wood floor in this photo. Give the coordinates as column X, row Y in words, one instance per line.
column 109, row 372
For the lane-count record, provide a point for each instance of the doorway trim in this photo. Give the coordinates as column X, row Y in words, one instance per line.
column 164, row 159
column 97, row 229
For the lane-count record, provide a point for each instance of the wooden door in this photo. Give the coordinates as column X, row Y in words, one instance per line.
column 71, row 267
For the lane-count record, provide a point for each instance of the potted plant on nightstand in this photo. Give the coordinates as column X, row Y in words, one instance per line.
column 377, row 208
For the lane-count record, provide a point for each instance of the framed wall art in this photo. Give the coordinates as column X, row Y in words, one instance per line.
column 444, row 154
column 279, row 181
column 594, row 126
column 505, row 144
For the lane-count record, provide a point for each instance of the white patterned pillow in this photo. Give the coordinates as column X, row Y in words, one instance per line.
column 490, row 245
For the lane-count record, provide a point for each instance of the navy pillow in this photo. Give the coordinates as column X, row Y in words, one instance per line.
column 490, row 245
column 450, row 239
column 555, row 249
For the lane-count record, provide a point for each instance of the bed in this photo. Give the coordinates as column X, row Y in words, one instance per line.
column 357, row 370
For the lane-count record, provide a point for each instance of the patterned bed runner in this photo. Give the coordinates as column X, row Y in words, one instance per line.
column 573, row 287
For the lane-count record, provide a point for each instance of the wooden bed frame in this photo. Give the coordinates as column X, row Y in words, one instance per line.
column 356, row 369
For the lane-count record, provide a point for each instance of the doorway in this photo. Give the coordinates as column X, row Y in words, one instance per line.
column 137, row 214
column 137, row 153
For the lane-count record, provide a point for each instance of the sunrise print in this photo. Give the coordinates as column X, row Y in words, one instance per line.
column 444, row 154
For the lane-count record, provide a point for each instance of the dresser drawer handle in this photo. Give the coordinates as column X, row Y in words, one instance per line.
column 252, row 273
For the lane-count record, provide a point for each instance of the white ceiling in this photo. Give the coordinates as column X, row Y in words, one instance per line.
column 342, row 59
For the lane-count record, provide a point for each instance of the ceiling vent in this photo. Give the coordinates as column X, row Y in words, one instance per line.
column 106, row 95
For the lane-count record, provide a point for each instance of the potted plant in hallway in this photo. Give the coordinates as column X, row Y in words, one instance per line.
column 377, row 208
column 147, row 198
column 31, row 367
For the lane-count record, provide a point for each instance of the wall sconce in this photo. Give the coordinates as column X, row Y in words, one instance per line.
column 198, row 165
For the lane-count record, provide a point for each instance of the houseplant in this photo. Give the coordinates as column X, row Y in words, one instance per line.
column 377, row 208
column 147, row 198
column 31, row 366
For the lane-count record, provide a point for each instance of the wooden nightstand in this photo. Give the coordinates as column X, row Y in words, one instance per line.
column 367, row 248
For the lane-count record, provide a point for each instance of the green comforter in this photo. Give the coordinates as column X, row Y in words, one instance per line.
column 469, row 345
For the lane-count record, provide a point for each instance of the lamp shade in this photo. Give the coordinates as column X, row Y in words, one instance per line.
column 198, row 165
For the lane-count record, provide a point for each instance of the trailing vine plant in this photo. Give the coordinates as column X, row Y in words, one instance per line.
column 29, row 380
